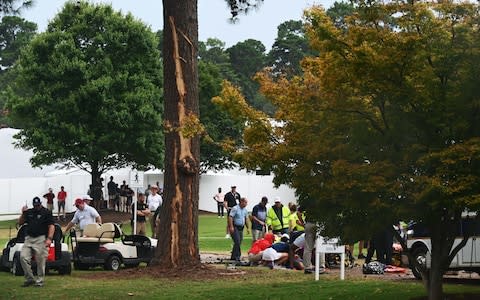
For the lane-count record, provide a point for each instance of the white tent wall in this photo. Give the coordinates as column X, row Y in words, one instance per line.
column 75, row 184
column 251, row 186
column 19, row 192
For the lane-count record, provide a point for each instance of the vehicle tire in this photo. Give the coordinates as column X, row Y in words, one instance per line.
column 113, row 263
column 420, row 255
column 16, row 265
column 65, row 270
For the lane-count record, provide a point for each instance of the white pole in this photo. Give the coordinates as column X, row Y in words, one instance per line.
column 342, row 265
column 135, row 215
column 317, row 258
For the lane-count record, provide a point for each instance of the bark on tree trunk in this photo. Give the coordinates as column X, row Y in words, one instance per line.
column 435, row 274
column 443, row 235
column 178, row 230
column 95, row 187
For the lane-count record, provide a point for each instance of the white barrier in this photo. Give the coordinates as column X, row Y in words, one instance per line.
column 329, row 246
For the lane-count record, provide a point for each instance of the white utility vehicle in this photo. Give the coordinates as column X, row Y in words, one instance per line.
column 59, row 258
column 468, row 258
column 106, row 245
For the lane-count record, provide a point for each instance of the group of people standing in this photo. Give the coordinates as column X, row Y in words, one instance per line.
column 61, row 198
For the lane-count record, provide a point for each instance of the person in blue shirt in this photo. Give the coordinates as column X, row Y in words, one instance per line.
column 237, row 220
column 259, row 216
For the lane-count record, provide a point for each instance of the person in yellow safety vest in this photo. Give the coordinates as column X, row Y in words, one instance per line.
column 278, row 217
column 296, row 219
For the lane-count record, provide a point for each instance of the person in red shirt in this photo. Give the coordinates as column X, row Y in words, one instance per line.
column 61, row 197
column 255, row 252
column 49, row 196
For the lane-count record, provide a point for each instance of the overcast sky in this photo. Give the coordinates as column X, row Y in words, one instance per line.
column 213, row 17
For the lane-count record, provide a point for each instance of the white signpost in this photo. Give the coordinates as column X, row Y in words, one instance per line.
column 136, row 181
column 330, row 246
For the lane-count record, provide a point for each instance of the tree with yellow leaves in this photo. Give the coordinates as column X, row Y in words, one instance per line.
column 383, row 125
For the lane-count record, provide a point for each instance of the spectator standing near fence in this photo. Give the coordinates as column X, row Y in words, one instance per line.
column 142, row 213
column 61, row 198
column 219, row 198
column 154, row 203
column 49, row 196
column 112, row 192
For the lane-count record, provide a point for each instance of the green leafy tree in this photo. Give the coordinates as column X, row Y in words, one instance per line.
column 339, row 11
column 88, row 94
column 383, row 125
column 14, row 7
column 15, row 33
column 247, row 58
column 221, row 131
column 290, row 47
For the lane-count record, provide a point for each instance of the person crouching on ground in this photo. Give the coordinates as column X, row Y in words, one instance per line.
column 237, row 220
column 37, row 241
column 255, row 252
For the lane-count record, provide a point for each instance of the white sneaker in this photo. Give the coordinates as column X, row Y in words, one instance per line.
column 227, row 236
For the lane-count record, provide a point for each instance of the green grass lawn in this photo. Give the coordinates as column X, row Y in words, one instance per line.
column 211, row 234
column 262, row 284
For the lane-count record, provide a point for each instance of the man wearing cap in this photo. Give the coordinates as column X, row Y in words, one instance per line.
column 237, row 220
column 49, row 196
column 84, row 215
column 87, row 199
column 142, row 213
column 230, row 200
column 278, row 217
column 259, row 216
column 154, row 203
column 38, row 238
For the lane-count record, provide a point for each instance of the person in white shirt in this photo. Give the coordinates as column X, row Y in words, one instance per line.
column 154, row 203
column 84, row 215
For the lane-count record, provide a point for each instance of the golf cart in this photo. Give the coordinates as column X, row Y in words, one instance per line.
column 106, row 245
column 59, row 257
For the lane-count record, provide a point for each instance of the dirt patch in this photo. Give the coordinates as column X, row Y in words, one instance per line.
column 201, row 272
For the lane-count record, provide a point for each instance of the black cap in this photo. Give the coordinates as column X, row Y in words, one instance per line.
column 36, row 201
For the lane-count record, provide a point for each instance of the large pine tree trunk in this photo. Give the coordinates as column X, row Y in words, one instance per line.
column 178, row 230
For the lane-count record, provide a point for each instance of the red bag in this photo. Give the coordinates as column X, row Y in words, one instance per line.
column 51, row 253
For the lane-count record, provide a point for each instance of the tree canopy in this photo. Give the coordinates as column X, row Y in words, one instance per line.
column 384, row 123
column 88, row 91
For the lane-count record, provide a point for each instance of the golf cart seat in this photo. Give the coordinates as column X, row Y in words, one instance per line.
column 96, row 233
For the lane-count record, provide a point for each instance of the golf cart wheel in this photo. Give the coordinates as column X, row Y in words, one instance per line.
column 113, row 263
column 419, row 255
column 16, row 265
column 65, row 270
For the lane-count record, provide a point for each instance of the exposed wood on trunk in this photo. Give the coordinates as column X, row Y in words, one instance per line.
column 178, row 231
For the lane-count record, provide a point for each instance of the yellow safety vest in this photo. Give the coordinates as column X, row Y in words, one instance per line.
column 272, row 218
column 293, row 222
